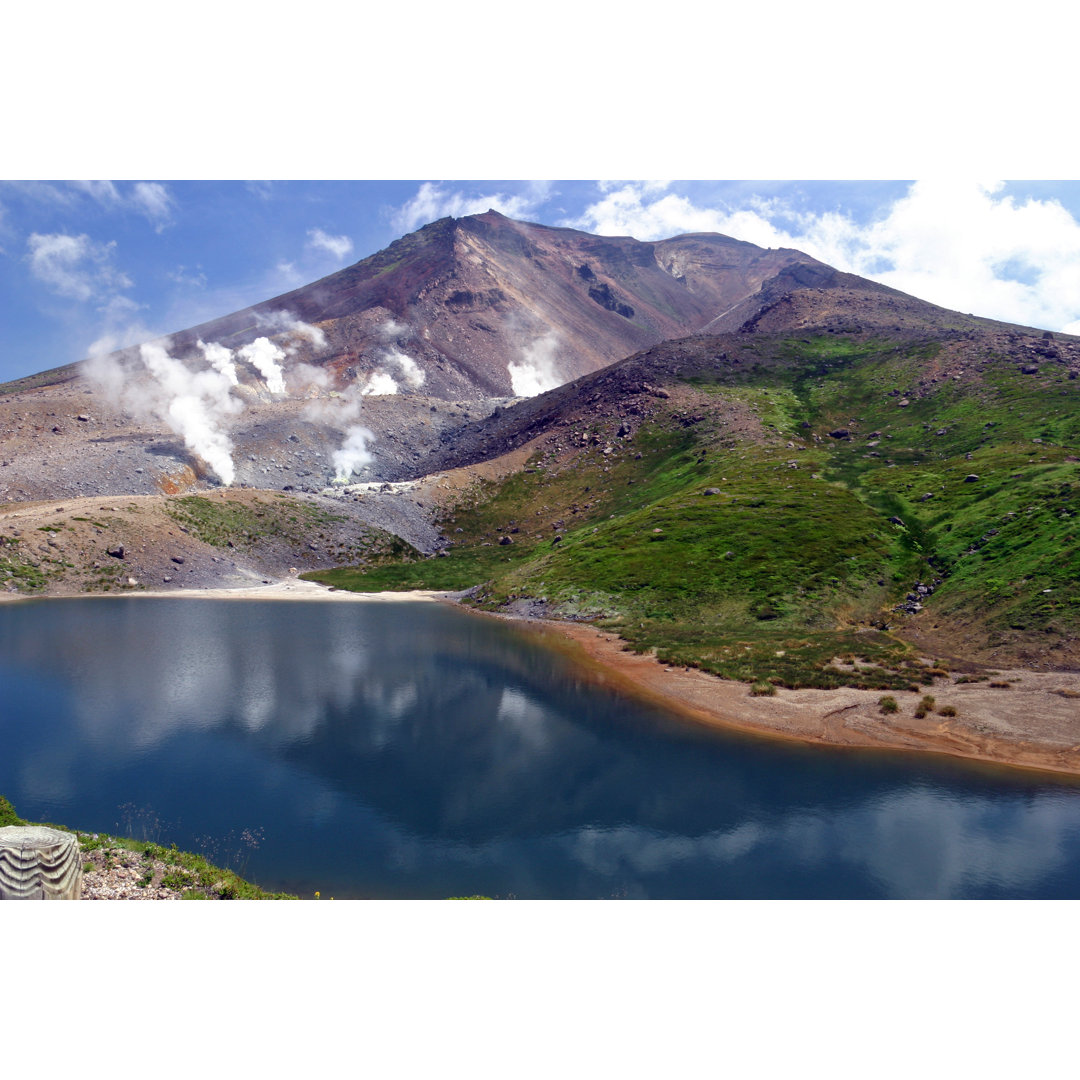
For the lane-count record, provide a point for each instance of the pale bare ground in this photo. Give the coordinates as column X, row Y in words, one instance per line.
column 290, row 589
column 1032, row 723
column 295, row 589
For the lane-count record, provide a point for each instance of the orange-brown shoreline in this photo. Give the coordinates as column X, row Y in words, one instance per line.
column 986, row 729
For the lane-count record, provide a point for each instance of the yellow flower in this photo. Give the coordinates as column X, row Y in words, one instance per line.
column 316, row 894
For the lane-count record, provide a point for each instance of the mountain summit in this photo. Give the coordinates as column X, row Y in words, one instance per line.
column 491, row 307
column 737, row 459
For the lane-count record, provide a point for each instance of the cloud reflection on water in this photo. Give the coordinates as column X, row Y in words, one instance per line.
column 445, row 746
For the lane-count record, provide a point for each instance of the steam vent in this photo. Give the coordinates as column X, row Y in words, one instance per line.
column 37, row 863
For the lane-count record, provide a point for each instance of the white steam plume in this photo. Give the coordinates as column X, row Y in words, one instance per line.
column 409, row 368
column 265, row 357
column 337, row 411
column 379, row 382
column 193, row 404
column 341, row 411
column 221, row 360
column 306, row 380
column 391, row 330
column 287, row 322
column 537, row 371
column 353, row 455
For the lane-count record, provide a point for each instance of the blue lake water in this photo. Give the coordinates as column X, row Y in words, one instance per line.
column 408, row 749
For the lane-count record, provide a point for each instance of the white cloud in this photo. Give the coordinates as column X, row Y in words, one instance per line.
column 182, row 276
column 118, row 309
column 433, row 201
column 338, row 246
column 262, row 189
column 151, row 199
column 75, row 266
column 962, row 244
column 154, row 202
column 286, row 275
column 101, row 191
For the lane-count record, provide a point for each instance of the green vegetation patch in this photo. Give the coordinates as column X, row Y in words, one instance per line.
column 785, row 558
column 19, row 570
column 225, row 523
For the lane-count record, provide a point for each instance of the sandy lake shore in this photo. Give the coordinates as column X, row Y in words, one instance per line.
column 295, row 589
column 1033, row 723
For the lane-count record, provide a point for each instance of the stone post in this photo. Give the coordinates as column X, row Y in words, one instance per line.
column 37, row 863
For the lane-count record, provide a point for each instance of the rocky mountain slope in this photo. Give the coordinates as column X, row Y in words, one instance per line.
column 763, row 468
column 762, row 504
column 483, row 303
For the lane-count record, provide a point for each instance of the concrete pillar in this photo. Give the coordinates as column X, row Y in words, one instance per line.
column 37, row 863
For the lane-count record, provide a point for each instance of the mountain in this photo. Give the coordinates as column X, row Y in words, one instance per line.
column 753, row 463
column 476, row 299
column 799, row 509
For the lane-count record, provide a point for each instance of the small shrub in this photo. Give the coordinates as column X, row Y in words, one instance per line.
column 887, row 704
column 946, row 710
column 1001, row 685
column 7, row 814
column 176, row 879
column 762, row 689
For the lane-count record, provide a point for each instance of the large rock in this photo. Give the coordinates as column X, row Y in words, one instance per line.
column 37, row 863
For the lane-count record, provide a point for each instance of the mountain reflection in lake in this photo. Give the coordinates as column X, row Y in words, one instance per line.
column 412, row 750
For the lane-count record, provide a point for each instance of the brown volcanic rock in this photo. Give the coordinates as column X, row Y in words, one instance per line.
column 461, row 297
column 467, row 295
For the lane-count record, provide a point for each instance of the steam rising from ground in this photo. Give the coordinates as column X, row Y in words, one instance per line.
column 306, row 380
column 341, row 411
column 353, row 454
column 537, row 371
column 286, row 322
column 193, row 404
column 391, row 330
column 380, row 381
column 198, row 404
column 220, row 359
column 265, row 357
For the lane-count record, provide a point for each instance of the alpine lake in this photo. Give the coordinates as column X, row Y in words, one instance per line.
column 408, row 749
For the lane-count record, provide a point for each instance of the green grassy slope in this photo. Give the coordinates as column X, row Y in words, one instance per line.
column 837, row 478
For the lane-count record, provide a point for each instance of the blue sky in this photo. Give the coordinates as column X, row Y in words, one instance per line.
column 136, row 259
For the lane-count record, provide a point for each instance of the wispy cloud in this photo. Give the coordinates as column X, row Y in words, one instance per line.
column 433, row 201
column 966, row 245
column 149, row 199
column 286, row 276
column 195, row 279
column 75, row 266
column 154, row 202
column 338, row 246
